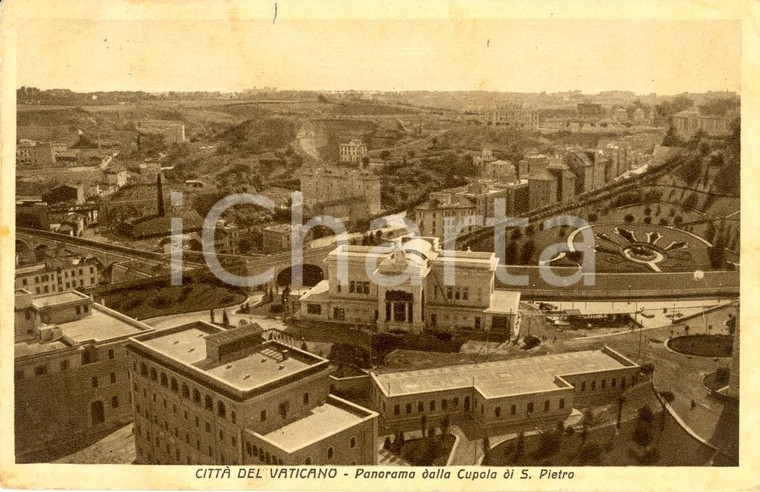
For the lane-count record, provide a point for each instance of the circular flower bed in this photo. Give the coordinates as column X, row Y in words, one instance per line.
column 702, row 345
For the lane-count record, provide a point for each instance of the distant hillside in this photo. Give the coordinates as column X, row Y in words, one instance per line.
column 475, row 137
column 259, row 135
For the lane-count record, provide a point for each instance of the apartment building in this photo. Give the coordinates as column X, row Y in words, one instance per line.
column 205, row 395
column 71, row 373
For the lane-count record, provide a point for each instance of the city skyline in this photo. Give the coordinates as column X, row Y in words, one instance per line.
column 436, row 55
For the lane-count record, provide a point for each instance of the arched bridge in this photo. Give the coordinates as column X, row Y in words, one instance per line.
column 34, row 243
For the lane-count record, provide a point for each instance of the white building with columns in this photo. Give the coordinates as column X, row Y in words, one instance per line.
column 410, row 286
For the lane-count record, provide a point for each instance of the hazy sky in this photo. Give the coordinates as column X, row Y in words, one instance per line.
column 507, row 55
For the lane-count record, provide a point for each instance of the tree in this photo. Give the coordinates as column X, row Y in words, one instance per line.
column 212, row 315
column 671, row 139
column 486, row 447
column 384, row 154
column 445, row 424
column 423, row 424
column 225, row 318
column 629, row 218
column 621, row 401
column 527, row 252
column 520, row 444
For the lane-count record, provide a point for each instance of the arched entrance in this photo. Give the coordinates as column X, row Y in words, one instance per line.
column 312, row 275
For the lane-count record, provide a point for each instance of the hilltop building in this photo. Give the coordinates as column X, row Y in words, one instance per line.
column 205, row 395
column 590, row 111
column 509, row 394
column 687, row 123
column 514, row 115
column 353, row 151
column 421, row 301
column 327, row 184
column 71, row 374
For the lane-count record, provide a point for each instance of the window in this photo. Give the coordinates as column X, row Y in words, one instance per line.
column 546, row 406
column 330, row 453
column 444, row 404
column 95, row 382
column 173, row 385
column 614, row 382
column 196, row 396
column 583, row 385
column 604, row 383
column 314, row 309
column 561, row 403
column 497, row 412
column 185, row 391
column 197, row 421
column 263, row 415
column 110, row 354
column 143, row 369
column 530, row 407
column 164, row 380
column 249, row 449
column 420, row 407
column 42, row 370
column 221, row 435
column 113, row 377
column 153, row 374
column 78, row 309
column 114, row 402
column 352, row 442
column 513, row 410
column 432, row 405
column 208, row 427
column 307, row 461
column 408, row 408
column 396, row 409
column 283, row 409
column 221, row 410
column 64, row 365
column 234, row 417
column 593, row 385
column 456, row 401
column 306, row 398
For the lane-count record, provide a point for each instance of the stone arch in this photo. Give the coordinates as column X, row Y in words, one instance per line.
column 41, row 252
column 312, row 275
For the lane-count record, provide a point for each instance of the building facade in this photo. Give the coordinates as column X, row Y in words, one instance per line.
column 509, row 394
column 57, row 275
column 205, row 395
column 353, row 151
column 514, row 115
column 420, row 297
column 71, row 374
column 687, row 123
column 327, row 184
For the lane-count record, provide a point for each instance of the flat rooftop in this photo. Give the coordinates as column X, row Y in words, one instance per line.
column 58, row 298
column 499, row 378
column 321, row 422
column 33, row 347
column 259, row 366
column 101, row 325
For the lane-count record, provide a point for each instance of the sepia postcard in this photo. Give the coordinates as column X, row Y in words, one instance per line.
column 423, row 245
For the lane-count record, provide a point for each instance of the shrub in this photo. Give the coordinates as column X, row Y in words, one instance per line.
column 647, row 368
column 629, row 218
column 590, row 452
column 276, row 308
column 530, row 342
column 642, row 436
column 668, row 396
